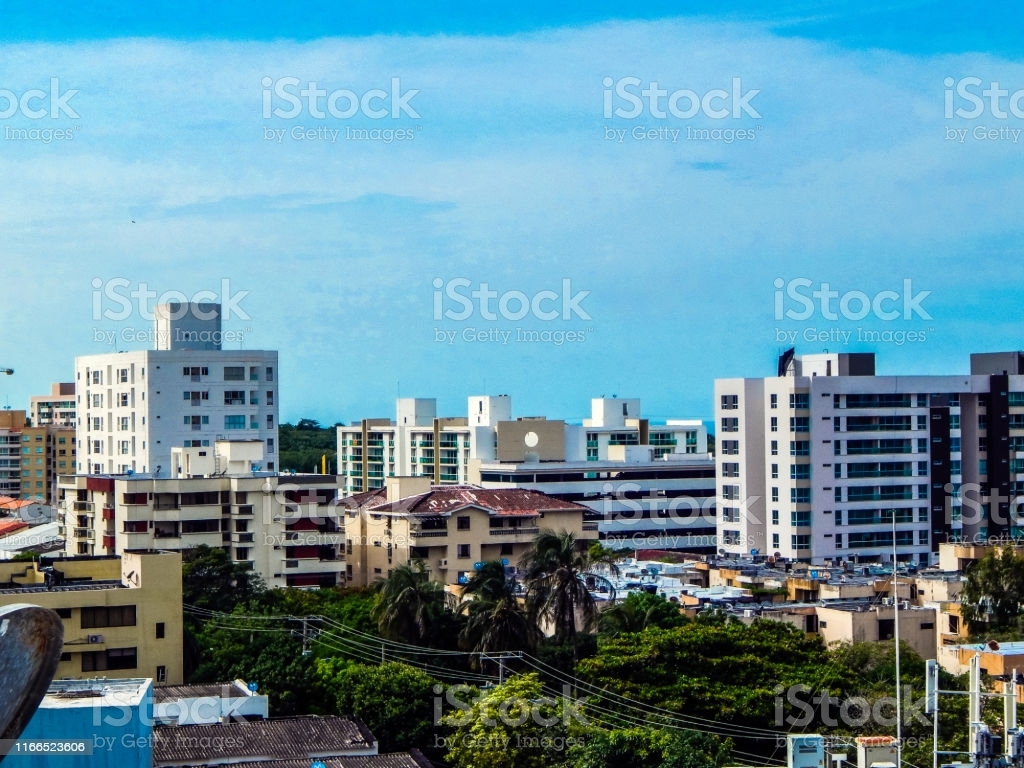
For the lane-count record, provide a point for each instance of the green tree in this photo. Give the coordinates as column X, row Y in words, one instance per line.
column 993, row 593
column 393, row 699
column 408, row 604
column 650, row 748
column 639, row 611
column 211, row 580
column 514, row 725
column 556, row 573
column 496, row 620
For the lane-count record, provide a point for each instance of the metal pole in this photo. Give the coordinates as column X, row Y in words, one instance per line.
column 974, row 704
column 896, row 624
column 1009, row 710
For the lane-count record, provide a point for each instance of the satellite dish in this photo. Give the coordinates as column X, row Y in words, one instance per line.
column 721, row 551
column 992, row 645
column 254, row 686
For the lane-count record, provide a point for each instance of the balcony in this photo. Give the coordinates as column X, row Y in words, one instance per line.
column 83, row 533
column 590, row 526
column 514, row 531
column 244, row 538
column 108, row 513
column 83, row 506
column 419, row 533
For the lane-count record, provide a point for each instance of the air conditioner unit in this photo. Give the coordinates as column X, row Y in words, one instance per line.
column 443, row 563
column 95, row 638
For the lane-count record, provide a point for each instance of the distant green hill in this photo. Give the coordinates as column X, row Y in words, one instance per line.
column 303, row 445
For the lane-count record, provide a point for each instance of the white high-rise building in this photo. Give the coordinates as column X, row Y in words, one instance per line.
column 818, row 461
column 134, row 407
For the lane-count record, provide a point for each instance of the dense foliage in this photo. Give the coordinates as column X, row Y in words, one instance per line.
column 649, row 688
column 994, row 593
column 303, row 445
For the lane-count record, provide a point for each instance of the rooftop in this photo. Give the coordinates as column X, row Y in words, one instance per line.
column 63, row 694
column 411, row 759
column 445, row 499
column 207, row 690
column 259, row 740
column 1012, row 648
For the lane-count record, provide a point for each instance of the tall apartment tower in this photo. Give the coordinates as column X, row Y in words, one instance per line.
column 816, row 462
column 133, row 407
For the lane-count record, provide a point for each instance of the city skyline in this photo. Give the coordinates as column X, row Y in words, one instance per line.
column 818, row 151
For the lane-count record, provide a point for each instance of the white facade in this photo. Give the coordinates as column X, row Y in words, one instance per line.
column 650, row 486
column 134, row 407
column 815, row 467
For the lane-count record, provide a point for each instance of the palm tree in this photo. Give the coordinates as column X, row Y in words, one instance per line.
column 407, row 603
column 556, row 571
column 496, row 619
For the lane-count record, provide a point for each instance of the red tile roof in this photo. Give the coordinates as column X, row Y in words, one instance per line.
column 446, row 499
column 10, row 525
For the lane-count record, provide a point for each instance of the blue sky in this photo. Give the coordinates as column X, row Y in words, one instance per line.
column 506, row 171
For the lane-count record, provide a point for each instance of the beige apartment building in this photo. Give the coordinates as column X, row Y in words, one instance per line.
column 121, row 615
column 285, row 527
column 56, row 408
column 450, row 528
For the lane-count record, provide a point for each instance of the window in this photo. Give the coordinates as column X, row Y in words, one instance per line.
column 775, row 541
column 730, row 424
column 114, row 658
column 463, row 523
column 108, row 616
column 123, row 399
column 270, row 373
column 799, row 424
column 775, row 424
column 800, row 519
column 775, row 471
column 800, row 401
column 270, row 421
column 270, row 398
column 160, row 630
column 64, row 613
column 730, row 402
column 234, row 373
column 731, row 492
column 730, row 469
column 234, row 422
column 463, row 551
column 774, row 401
column 775, row 447
column 234, row 397
column 801, row 541
column 730, row 447
column 799, row 448
column 775, row 517
column 254, row 373
column 839, row 541
column 161, row 674
column 800, row 495
column 800, row 472
column 775, row 494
